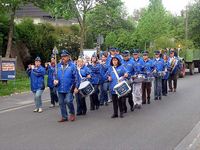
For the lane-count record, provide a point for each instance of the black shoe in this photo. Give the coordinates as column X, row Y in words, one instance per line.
column 132, row 108
column 92, row 108
column 156, row 98
column 106, row 103
column 170, row 90
column 79, row 114
column 121, row 115
column 97, row 107
column 136, row 106
column 84, row 113
column 125, row 110
column 139, row 107
column 164, row 94
column 114, row 116
column 160, row 98
column 144, row 102
column 148, row 101
column 63, row 120
column 101, row 104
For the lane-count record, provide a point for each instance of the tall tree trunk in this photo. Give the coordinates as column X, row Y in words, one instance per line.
column 82, row 40
column 10, row 34
column 83, row 30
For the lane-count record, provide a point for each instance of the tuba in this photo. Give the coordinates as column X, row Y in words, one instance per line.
column 173, row 64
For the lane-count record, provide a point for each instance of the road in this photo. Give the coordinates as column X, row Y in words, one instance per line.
column 162, row 125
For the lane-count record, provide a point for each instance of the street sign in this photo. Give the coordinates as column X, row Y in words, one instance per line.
column 7, row 68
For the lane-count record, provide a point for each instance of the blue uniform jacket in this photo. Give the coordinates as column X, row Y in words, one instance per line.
column 66, row 77
column 148, row 66
column 95, row 73
column 138, row 65
column 84, row 71
column 167, row 67
column 159, row 64
column 37, row 78
column 110, row 57
column 104, row 69
column 121, row 71
column 51, row 73
column 129, row 65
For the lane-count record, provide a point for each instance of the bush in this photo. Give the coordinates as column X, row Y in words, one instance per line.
column 41, row 38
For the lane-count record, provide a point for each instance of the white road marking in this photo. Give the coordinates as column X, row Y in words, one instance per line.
column 25, row 102
column 20, row 107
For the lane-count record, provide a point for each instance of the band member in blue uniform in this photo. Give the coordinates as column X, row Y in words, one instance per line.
column 82, row 74
column 166, row 76
column 159, row 67
column 137, row 87
column 113, row 53
column 146, row 86
column 122, row 72
column 36, row 73
column 104, row 80
column 65, row 80
column 50, row 68
column 174, row 70
column 129, row 65
column 95, row 80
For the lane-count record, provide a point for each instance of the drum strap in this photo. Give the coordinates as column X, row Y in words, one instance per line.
column 79, row 72
column 116, row 74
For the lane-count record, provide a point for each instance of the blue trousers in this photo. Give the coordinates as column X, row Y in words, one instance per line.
column 104, row 93
column 66, row 99
column 158, row 87
column 37, row 98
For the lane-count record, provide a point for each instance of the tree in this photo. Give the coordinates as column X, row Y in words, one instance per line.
column 153, row 23
column 194, row 23
column 10, row 7
column 110, row 39
column 72, row 8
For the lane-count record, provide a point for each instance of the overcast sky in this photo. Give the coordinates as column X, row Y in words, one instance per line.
column 175, row 6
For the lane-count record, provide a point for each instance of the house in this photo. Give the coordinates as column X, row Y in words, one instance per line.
column 40, row 16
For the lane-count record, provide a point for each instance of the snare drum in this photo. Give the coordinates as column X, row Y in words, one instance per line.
column 86, row 88
column 138, row 78
column 149, row 79
column 159, row 74
column 122, row 89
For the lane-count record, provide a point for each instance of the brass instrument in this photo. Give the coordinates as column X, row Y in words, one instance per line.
column 173, row 64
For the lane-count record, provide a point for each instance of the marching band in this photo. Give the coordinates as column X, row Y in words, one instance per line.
column 115, row 76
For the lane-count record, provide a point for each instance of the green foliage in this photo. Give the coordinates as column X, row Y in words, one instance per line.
column 164, row 42
column 153, row 23
column 177, row 27
column 194, row 23
column 40, row 39
column 111, row 21
column 105, row 18
column 110, row 39
column 68, row 38
column 4, row 27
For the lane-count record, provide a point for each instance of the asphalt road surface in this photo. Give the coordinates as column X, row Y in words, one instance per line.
column 162, row 125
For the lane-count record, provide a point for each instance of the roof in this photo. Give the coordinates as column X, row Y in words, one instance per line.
column 29, row 10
